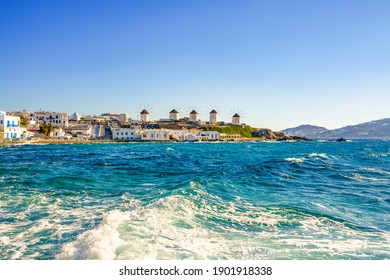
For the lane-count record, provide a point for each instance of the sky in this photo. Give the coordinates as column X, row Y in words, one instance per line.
column 279, row 63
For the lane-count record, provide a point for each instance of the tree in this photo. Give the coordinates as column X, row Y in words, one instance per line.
column 23, row 120
column 46, row 129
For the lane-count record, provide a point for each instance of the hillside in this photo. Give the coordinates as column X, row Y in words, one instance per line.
column 378, row 129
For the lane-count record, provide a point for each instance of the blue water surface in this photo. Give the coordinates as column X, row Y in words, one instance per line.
column 265, row 200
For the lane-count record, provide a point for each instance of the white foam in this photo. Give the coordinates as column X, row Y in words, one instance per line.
column 178, row 227
column 296, row 159
column 318, row 155
column 99, row 243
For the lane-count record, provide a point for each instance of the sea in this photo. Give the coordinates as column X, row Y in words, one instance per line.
column 315, row 200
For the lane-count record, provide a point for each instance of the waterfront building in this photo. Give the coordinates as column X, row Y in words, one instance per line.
column 154, row 135
column 213, row 117
column 144, row 115
column 57, row 133
column 194, row 117
column 180, row 135
column 236, row 119
column 81, row 130
column 174, row 115
column 125, row 133
column 56, row 119
column 209, row 135
column 10, row 127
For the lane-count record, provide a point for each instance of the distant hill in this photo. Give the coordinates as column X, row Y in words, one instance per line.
column 305, row 130
column 379, row 129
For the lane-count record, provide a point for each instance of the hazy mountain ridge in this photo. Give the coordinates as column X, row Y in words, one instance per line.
column 378, row 129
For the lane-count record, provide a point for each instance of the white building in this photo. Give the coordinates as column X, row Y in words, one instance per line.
column 57, row 133
column 180, row 135
column 213, row 117
column 208, row 135
column 81, row 130
column 10, row 127
column 194, row 117
column 155, row 135
column 126, row 133
column 144, row 115
column 76, row 117
column 236, row 119
column 174, row 115
column 56, row 119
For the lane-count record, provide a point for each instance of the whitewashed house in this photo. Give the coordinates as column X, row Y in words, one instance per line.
column 155, row 135
column 126, row 133
column 56, row 119
column 10, row 127
column 57, row 133
column 180, row 135
column 81, row 130
column 209, row 135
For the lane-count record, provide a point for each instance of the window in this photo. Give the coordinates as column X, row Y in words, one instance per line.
column 117, row 133
column 121, row 133
column 126, row 133
column 57, row 117
column 1, row 122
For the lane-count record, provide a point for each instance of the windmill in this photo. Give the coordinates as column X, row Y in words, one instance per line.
column 174, row 113
column 236, row 116
column 213, row 115
column 194, row 114
column 143, row 112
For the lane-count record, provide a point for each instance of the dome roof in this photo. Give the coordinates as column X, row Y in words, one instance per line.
column 236, row 115
column 144, row 112
column 173, row 112
column 213, row 112
column 193, row 112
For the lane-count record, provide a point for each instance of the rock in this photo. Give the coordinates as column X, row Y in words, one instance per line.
column 268, row 134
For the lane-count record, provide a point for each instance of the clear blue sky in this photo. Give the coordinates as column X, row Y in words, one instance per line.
column 283, row 63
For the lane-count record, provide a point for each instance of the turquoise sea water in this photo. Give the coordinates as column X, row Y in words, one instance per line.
column 276, row 200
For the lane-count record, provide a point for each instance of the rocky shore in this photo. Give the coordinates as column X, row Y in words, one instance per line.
column 268, row 134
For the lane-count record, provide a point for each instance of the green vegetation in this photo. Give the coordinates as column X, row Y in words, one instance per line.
column 23, row 120
column 245, row 131
column 46, row 128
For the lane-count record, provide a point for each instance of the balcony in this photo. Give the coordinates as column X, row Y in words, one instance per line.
column 12, row 125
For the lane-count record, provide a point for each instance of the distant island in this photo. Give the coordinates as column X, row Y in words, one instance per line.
column 378, row 129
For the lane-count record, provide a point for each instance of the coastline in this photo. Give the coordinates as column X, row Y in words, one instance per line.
column 90, row 141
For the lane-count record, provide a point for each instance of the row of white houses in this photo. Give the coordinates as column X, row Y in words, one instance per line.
column 138, row 134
